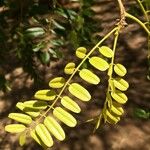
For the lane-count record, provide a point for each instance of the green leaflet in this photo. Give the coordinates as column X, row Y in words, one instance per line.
column 54, row 128
column 121, row 84
column 70, row 104
column 98, row 123
column 80, row 92
column 34, row 135
column 89, row 76
column 22, row 139
column 81, row 52
column 111, row 119
column 20, row 118
column 29, row 111
column 64, row 116
column 57, row 82
column 35, row 29
column 34, row 32
column 15, row 128
column 116, row 109
column 34, row 104
column 44, row 135
column 106, row 51
column 120, row 97
column 45, row 95
column 120, row 70
column 69, row 68
column 99, row 63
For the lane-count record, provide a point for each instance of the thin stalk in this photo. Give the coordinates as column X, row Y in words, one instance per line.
column 143, row 9
column 145, row 12
column 139, row 22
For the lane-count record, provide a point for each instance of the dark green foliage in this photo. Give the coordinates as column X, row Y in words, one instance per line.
column 4, row 85
column 34, row 34
column 141, row 113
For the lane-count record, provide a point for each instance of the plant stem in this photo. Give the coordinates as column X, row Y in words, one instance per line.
column 143, row 9
column 122, row 22
column 139, row 22
column 148, row 26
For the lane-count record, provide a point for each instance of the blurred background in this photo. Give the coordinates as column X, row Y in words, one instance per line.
column 39, row 37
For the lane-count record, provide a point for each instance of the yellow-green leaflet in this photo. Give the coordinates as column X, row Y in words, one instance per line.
column 117, row 110
column 99, row 63
column 57, row 82
column 89, row 76
column 54, row 127
column 106, row 51
column 69, row 68
column 20, row 118
column 29, row 111
column 80, row 92
column 34, row 135
column 45, row 95
column 98, row 123
column 44, row 135
column 22, row 139
column 120, row 97
column 34, row 104
column 120, row 70
column 64, row 116
column 70, row 104
column 121, row 84
column 81, row 52
column 111, row 119
column 15, row 128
